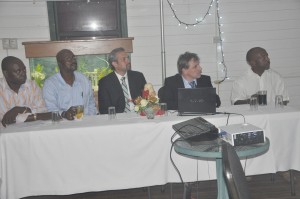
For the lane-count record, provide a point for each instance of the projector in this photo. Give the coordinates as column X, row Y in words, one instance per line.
column 242, row 134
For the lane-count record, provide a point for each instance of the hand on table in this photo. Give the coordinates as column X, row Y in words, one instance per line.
column 10, row 116
column 70, row 113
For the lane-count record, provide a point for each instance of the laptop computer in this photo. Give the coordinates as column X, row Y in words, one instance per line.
column 196, row 101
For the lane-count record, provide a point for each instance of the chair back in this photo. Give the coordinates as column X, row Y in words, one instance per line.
column 234, row 175
column 160, row 93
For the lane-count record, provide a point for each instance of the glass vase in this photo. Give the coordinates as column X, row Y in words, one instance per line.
column 150, row 113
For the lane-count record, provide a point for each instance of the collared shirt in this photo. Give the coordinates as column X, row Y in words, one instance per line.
column 131, row 104
column 187, row 84
column 60, row 96
column 29, row 95
column 250, row 83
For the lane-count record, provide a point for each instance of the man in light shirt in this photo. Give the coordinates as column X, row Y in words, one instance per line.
column 121, row 87
column 68, row 88
column 21, row 100
column 258, row 77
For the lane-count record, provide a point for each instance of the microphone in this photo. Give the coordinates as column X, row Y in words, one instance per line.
column 218, row 81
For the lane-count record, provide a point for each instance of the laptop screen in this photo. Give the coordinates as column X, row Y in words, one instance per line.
column 196, row 101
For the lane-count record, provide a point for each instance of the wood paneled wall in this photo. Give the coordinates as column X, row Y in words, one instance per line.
column 272, row 24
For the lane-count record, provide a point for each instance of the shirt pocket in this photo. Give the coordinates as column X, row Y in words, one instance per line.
column 78, row 96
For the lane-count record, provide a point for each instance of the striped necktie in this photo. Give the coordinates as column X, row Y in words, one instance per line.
column 192, row 84
column 125, row 91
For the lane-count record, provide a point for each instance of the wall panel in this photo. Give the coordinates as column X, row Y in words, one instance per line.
column 272, row 24
column 26, row 21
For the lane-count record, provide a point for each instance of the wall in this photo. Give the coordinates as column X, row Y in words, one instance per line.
column 272, row 24
column 26, row 21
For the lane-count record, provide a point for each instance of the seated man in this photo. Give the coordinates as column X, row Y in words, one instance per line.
column 68, row 88
column 189, row 76
column 258, row 77
column 20, row 99
column 120, row 87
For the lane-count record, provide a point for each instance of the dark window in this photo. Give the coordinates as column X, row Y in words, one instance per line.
column 71, row 20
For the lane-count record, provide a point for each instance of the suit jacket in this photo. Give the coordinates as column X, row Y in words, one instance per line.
column 110, row 91
column 169, row 93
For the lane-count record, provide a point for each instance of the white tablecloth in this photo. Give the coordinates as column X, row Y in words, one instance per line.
column 97, row 154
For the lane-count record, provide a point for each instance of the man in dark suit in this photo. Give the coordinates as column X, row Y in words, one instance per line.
column 189, row 76
column 111, row 88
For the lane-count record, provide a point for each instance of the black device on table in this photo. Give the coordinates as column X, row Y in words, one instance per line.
column 196, row 130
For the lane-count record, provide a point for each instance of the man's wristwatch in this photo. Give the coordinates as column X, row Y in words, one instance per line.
column 25, row 110
column 34, row 116
column 63, row 114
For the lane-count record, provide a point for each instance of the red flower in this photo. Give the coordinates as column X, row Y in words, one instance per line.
column 160, row 112
column 145, row 94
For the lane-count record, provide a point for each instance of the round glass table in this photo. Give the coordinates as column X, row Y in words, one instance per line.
column 212, row 151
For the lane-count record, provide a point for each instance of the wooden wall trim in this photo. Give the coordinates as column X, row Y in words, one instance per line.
column 78, row 47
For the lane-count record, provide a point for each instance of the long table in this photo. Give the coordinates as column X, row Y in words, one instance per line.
column 97, row 154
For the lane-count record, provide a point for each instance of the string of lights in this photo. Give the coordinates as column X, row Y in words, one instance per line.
column 221, row 45
column 198, row 21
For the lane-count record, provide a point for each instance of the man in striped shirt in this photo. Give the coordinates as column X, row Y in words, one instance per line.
column 20, row 99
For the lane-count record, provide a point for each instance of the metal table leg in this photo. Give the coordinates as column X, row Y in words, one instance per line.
column 222, row 189
column 292, row 183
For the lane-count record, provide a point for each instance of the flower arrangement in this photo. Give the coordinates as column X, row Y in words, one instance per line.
column 148, row 102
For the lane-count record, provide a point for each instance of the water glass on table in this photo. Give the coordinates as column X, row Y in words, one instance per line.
column 55, row 116
column 262, row 97
column 111, row 113
column 253, row 103
column 278, row 101
column 163, row 109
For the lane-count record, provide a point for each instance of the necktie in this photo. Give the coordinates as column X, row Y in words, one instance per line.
column 125, row 91
column 192, row 84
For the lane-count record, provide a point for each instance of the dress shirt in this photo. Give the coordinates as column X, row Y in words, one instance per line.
column 187, row 84
column 250, row 83
column 131, row 104
column 60, row 96
column 29, row 95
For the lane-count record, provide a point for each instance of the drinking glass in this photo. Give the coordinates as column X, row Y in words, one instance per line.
column 79, row 112
column 262, row 97
column 163, row 109
column 111, row 112
column 253, row 103
column 55, row 116
column 278, row 101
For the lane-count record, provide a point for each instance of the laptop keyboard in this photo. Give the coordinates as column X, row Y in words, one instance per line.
column 194, row 127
